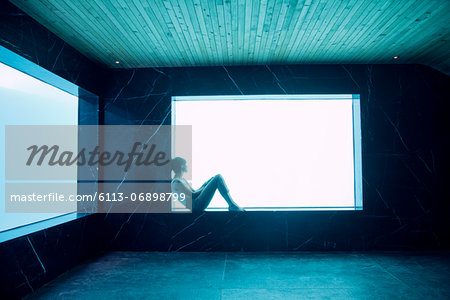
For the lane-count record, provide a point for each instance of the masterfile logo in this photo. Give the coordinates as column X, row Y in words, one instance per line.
column 116, row 169
column 69, row 152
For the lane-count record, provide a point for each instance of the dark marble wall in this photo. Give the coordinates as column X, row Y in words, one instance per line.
column 29, row 261
column 405, row 116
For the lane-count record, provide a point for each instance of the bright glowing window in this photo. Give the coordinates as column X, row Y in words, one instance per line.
column 276, row 152
column 27, row 98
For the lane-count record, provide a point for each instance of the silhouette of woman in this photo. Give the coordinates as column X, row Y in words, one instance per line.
column 203, row 196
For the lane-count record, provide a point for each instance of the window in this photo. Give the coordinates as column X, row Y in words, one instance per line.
column 276, row 152
column 28, row 98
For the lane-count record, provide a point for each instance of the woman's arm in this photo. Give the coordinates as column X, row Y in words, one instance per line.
column 182, row 187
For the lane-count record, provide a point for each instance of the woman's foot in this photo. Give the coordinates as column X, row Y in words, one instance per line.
column 235, row 208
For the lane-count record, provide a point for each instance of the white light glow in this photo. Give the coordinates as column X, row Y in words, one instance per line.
column 275, row 152
column 25, row 100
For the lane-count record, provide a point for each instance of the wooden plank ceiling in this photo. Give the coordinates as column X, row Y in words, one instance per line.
column 172, row 33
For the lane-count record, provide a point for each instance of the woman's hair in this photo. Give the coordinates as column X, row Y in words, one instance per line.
column 177, row 163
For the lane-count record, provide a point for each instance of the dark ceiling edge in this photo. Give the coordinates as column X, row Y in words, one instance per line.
column 291, row 64
column 445, row 71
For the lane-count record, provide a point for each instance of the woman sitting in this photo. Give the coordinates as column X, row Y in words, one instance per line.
column 202, row 196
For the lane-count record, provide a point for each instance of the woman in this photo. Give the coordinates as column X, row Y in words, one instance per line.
column 203, row 196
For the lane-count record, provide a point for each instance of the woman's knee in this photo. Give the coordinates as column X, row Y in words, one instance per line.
column 218, row 177
column 220, row 182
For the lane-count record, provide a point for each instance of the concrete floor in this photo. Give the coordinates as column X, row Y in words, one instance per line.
column 299, row 275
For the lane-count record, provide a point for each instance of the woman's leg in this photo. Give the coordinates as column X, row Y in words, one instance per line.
column 224, row 191
column 204, row 198
column 208, row 181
